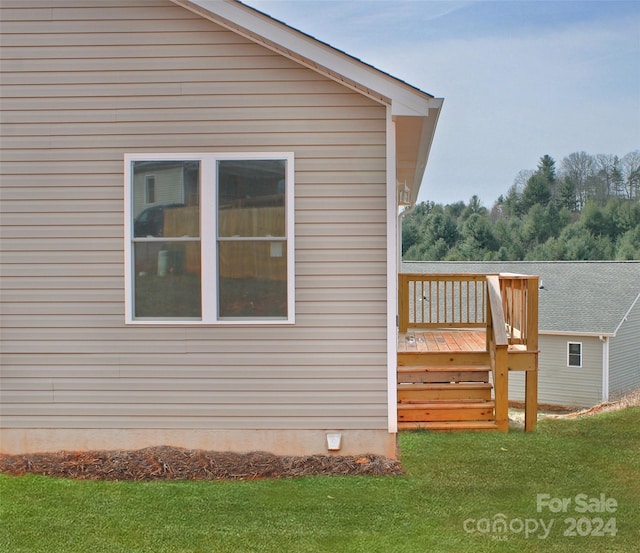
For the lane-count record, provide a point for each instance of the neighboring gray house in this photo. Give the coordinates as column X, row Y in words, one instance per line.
column 589, row 326
column 199, row 230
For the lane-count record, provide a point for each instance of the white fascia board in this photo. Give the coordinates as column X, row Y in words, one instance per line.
column 404, row 99
column 576, row 334
column 422, row 109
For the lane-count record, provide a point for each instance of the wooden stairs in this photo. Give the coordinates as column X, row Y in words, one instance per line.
column 445, row 392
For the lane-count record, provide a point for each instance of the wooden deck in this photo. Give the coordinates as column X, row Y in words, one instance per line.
column 459, row 337
column 428, row 341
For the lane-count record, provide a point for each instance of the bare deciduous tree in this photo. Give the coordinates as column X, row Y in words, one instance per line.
column 579, row 168
column 630, row 164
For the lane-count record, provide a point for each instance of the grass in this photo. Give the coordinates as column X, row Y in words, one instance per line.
column 450, row 479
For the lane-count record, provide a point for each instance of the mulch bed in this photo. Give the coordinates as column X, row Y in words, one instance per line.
column 170, row 463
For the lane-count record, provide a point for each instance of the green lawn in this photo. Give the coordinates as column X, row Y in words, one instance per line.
column 456, row 486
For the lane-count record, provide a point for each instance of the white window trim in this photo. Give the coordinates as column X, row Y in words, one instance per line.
column 208, row 237
column 569, row 344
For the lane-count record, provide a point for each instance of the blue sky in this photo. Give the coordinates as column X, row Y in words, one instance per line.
column 520, row 79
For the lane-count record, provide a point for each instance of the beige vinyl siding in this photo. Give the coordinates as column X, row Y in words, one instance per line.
column 83, row 86
column 624, row 356
column 559, row 384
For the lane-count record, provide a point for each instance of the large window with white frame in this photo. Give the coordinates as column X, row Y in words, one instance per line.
column 216, row 244
column 574, row 354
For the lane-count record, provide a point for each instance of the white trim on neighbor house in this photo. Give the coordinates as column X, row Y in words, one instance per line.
column 569, row 354
column 573, row 333
column 626, row 315
column 392, row 277
column 209, row 237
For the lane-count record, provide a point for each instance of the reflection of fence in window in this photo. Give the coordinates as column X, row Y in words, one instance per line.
column 252, row 243
column 459, row 301
column 182, row 222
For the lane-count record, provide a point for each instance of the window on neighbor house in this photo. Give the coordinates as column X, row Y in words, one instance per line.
column 216, row 246
column 574, row 354
column 150, row 189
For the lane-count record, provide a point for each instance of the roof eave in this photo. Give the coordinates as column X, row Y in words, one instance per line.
column 315, row 54
column 414, row 111
column 585, row 334
column 414, row 137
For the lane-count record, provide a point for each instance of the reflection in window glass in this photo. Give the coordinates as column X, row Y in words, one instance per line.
column 252, row 279
column 251, row 198
column 150, row 189
column 176, row 198
column 167, row 279
column 166, row 239
column 252, row 262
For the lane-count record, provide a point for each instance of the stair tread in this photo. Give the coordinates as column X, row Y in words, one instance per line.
column 445, row 386
column 471, row 404
column 443, row 368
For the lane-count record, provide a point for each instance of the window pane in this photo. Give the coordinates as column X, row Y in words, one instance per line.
column 171, row 206
column 167, row 279
column 252, row 279
column 251, row 198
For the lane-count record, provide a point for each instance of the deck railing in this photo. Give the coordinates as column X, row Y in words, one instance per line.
column 520, row 306
column 442, row 301
column 506, row 305
column 461, row 301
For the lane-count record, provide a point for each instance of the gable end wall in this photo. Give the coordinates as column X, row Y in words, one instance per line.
column 82, row 87
column 624, row 352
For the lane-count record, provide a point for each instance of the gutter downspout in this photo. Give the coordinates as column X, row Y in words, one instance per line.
column 605, row 367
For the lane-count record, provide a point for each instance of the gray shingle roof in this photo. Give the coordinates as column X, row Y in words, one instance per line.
column 578, row 297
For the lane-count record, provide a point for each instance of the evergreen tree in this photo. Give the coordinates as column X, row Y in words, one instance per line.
column 617, row 179
column 628, row 245
column 512, row 205
column 542, row 216
column 547, row 168
column 537, row 191
column 566, row 194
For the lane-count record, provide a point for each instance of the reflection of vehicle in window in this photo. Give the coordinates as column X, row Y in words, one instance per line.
column 150, row 222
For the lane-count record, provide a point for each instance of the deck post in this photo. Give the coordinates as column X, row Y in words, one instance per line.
column 531, row 400
column 531, row 376
column 403, row 302
column 501, row 387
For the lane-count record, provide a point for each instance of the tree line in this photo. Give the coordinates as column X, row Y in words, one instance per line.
column 586, row 209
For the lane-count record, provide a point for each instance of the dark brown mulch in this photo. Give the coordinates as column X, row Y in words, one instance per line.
column 170, row 463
